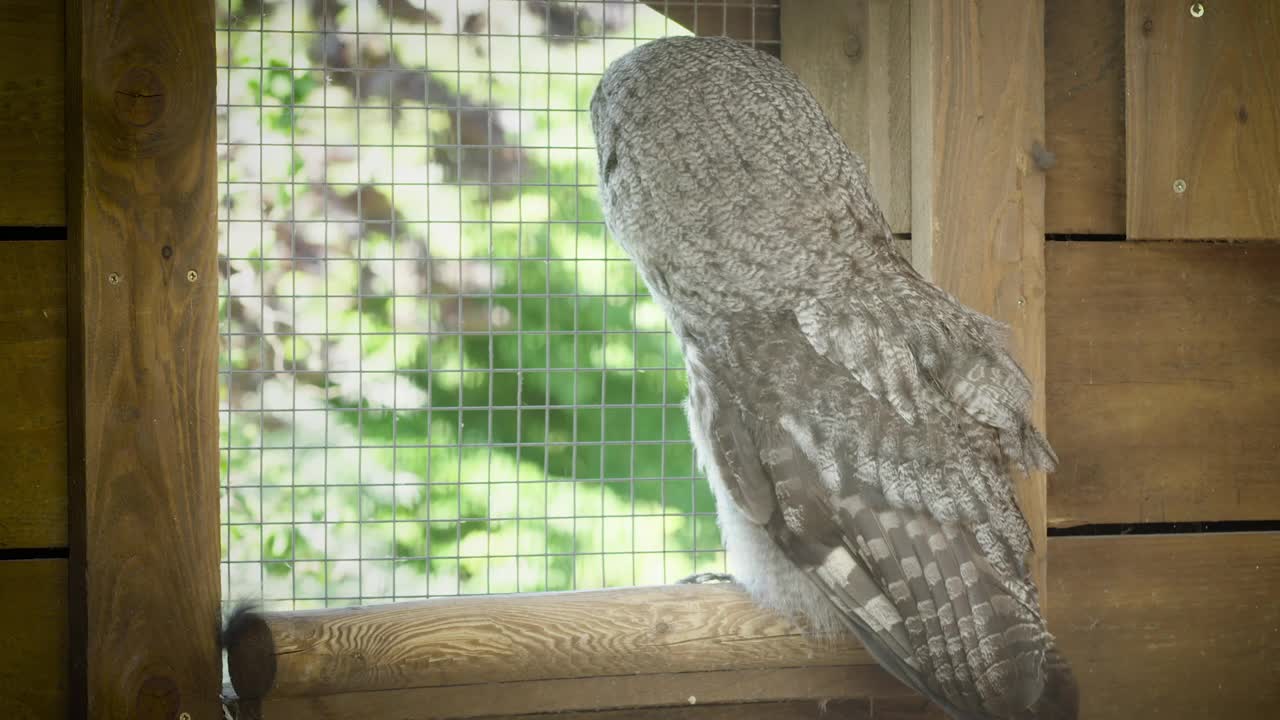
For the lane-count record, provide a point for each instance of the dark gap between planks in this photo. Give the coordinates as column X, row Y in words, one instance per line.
column 1167, row 528
column 40, row 553
column 18, row 232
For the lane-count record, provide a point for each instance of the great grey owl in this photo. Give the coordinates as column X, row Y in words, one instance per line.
column 860, row 427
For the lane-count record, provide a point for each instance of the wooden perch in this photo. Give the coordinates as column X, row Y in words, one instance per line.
column 548, row 652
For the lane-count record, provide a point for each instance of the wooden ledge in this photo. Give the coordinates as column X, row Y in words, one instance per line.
column 546, row 652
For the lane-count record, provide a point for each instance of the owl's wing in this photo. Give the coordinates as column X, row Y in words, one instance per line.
column 922, row 593
column 914, row 347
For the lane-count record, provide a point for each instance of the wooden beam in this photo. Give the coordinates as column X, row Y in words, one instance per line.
column 1084, row 116
column 1176, row 627
column 143, row 390
column 549, row 652
column 855, row 57
column 31, row 112
column 33, row 383
column 1163, row 392
column 862, row 709
column 977, row 109
column 1203, row 120
column 33, row 623
column 653, row 692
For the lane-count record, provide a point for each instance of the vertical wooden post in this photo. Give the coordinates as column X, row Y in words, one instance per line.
column 977, row 109
column 854, row 56
column 143, row 359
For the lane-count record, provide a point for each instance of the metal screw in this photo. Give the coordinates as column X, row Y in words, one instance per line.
column 184, row 716
column 1197, row 10
column 853, row 47
column 1179, row 186
column 192, row 276
column 114, row 278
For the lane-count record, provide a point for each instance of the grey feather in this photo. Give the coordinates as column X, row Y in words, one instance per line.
column 860, row 427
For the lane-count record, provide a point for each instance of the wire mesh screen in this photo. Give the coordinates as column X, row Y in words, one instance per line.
column 439, row 375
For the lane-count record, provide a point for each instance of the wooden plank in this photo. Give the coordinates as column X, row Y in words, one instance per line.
column 868, row 709
column 522, row 638
column 33, row 383
column 1203, row 108
column 855, row 57
column 756, row 23
column 33, row 623
column 1084, row 116
column 1174, row 627
column 1164, row 397
column 631, row 691
column 144, row 428
column 31, row 113
column 977, row 108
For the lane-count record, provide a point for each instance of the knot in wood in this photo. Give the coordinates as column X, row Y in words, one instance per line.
column 139, row 97
column 158, row 697
column 853, row 47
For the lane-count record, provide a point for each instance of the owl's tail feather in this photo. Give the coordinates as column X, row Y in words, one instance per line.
column 1061, row 697
column 926, row 603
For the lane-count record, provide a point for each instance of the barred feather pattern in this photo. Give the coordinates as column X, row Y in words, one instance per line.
column 861, row 429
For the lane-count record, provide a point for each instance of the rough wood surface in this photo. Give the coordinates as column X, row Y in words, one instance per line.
column 860, row 709
column 855, row 57
column 731, row 18
column 1164, row 381
column 144, row 427
column 977, row 108
column 1203, row 108
column 567, row 637
column 652, row 691
column 33, row 623
column 1084, row 116
column 31, row 113
column 1175, row 627
column 33, row 383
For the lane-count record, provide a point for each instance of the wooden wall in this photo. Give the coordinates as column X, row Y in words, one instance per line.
column 1164, row 354
column 1162, row 289
column 1161, row 299
column 33, row 363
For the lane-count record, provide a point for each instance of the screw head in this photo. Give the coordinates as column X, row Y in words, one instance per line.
column 1179, row 186
column 114, row 278
column 853, row 47
column 192, row 276
column 184, row 716
column 1197, row 10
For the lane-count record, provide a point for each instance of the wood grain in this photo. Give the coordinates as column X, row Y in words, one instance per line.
column 33, row 623
column 1163, row 390
column 144, row 428
column 977, row 107
column 859, row 709
column 1084, row 116
column 541, row 637
column 33, row 383
column 31, row 113
column 855, row 57
column 631, row 691
column 731, row 18
column 1203, row 107
column 1175, row 627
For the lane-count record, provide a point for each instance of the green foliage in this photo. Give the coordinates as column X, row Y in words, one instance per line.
column 433, row 384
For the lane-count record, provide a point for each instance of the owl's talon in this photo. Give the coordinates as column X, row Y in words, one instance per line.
column 706, row 578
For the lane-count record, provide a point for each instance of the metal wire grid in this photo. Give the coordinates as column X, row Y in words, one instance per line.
column 438, row 375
